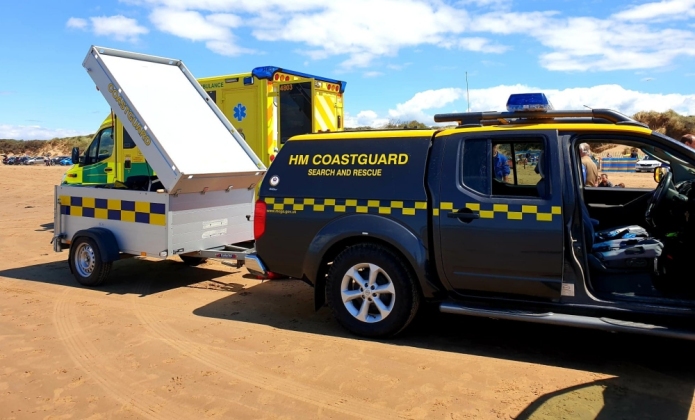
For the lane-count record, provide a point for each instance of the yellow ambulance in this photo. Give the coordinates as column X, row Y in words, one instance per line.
column 267, row 106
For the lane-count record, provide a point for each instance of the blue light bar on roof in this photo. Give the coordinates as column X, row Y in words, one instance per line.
column 528, row 102
column 267, row 72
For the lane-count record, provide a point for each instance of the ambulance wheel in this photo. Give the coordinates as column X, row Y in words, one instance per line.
column 86, row 263
column 192, row 261
column 371, row 291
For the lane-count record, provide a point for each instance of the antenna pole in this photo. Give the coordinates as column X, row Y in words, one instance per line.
column 468, row 98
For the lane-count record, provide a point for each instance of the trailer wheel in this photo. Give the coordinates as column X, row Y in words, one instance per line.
column 86, row 262
column 371, row 292
column 192, row 261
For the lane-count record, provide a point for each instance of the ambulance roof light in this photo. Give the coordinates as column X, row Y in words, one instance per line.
column 267, row 72
column 528, row 102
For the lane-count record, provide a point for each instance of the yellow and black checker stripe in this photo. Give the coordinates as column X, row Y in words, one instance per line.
column 505, row 211
column 342, row 205
column 110, row 209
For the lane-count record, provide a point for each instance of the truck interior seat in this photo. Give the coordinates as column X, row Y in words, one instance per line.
column 619, row 249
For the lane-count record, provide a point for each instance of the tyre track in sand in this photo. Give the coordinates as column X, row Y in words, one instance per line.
column 106, row 300
column 88, row 358
column 242, row 370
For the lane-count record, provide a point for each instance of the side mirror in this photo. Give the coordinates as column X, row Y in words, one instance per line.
column 75, row 155
column 659, row 174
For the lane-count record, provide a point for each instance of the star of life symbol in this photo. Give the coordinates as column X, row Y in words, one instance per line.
column 239, row 112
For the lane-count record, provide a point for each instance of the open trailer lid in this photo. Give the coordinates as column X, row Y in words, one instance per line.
column 184, row 136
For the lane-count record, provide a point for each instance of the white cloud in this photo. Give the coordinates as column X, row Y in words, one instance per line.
column 656, row 10
column 363, row 31
column 398, row 66
column 485, row 3
column 187, row 24
column 76, row 23
column 365, row 119
column 581, row 44
column 372, row 74
column 480, row 45
column 214, row 29
column 620, row 99
column 423, row 105
column 118, row 27
column 414, row 108
column 35, row 132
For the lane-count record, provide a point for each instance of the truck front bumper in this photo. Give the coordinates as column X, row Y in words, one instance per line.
column 255, row 265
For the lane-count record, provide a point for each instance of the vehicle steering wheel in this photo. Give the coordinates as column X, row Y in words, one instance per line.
column 658, row 196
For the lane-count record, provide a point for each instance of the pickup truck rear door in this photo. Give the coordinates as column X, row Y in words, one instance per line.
column 500, row 237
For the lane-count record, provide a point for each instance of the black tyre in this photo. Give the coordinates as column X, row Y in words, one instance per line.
column 86, row 262
column 192, row 261
column 371, row 292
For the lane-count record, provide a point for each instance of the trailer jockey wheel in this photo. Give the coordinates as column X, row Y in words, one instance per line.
column 86, row 262
column 192, row 261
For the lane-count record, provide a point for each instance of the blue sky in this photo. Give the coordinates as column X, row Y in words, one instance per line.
column 402, row 59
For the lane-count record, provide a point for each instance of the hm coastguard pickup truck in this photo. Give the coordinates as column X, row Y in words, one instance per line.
column 492, row 218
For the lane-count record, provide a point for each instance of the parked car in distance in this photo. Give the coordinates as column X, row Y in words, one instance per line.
column 57, row 159
column 66, row 161
column 38, row 160
column 647, row 164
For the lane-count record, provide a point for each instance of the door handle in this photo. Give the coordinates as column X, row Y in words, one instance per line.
column 108, row 169
column 464, row 216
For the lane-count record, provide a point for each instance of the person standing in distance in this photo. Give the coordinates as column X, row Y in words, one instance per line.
column 588, row 166
column 500, row 164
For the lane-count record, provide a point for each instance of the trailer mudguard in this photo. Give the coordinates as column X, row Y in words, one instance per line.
column 371, row 227
column 105, row 240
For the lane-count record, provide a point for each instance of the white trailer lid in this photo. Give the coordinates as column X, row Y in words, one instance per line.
column 181, row 132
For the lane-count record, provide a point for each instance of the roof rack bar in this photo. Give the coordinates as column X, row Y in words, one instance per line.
column 464, row 118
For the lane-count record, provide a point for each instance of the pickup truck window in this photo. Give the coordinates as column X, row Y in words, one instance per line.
column 476, row 166
column 625, row 162
column 503, row 167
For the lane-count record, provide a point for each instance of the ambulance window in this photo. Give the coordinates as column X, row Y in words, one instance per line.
column 128, row 142
column 295, row 110
column 91, row 153
column 105, row 144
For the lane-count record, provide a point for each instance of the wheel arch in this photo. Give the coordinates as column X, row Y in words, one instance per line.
column 105, row 240
column 392, row 235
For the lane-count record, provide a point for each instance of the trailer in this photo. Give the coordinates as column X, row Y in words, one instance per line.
column 200, row 203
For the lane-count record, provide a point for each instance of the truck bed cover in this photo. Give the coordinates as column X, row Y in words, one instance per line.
column 181, row 132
